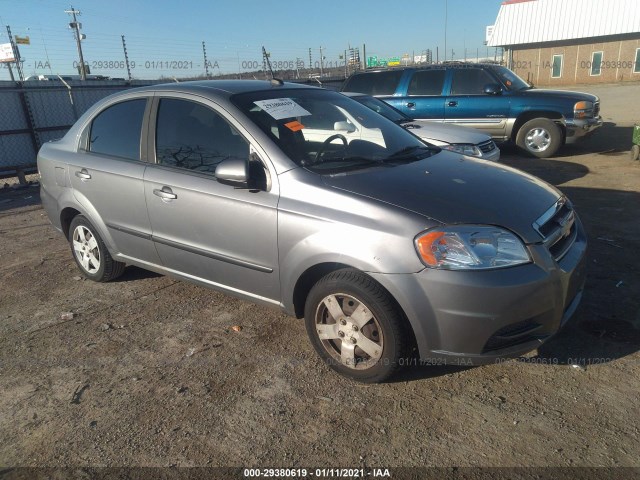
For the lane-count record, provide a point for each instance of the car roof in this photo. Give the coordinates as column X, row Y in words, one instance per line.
column 224, row 88
column 426, row 67
column 355, row 94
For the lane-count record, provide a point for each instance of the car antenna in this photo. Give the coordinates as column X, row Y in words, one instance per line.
column 274, row 81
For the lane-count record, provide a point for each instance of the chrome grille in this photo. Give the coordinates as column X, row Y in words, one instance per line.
column 557, row 228
column 596, row 109
column 487, row 146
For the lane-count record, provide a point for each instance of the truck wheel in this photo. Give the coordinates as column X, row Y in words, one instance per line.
column 540, row 137
column 355, row 326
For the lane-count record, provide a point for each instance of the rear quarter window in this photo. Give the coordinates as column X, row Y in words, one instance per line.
column 116, row 130
column 374, row 83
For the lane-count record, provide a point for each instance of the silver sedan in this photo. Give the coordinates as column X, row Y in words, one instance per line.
column 391, row 250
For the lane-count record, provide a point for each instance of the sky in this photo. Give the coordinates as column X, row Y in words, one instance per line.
column 165, row 38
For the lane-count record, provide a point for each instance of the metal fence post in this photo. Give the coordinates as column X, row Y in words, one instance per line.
column 73, row 105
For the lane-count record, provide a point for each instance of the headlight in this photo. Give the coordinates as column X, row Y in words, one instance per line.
column 463, row 148
column 470, row 247
column 583, row 109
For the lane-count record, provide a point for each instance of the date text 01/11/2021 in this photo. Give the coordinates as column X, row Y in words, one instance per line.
column 316, row 473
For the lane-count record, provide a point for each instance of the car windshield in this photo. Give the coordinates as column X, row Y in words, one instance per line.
column 326, row 131
column 510, row 79
column 382, row 108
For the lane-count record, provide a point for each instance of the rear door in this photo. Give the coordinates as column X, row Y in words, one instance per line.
column 204, row 229
column 424, row 95
column 107, row 178
column 469, row 106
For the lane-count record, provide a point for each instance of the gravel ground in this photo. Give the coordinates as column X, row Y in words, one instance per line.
column 150, row 372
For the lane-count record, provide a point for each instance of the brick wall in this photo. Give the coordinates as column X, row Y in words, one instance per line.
column 534, row 63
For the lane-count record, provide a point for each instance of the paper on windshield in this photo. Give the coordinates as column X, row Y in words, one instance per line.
column 280, row 108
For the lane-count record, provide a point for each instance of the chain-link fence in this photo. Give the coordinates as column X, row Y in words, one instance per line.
column 35, row 112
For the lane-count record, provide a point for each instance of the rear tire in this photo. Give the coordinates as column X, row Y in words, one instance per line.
column 90, row 253
column 355, row 326
column 540, row 137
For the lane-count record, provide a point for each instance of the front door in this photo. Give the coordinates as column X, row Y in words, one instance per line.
column 467, row 104
column 204, row 229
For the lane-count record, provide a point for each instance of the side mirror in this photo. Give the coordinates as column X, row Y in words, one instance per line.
column 344, row 126
column 492, row 89
column 234, row 172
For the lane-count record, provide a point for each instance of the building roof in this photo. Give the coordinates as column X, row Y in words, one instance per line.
column 538, row 21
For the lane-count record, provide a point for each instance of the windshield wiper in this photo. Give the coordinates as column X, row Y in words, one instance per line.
column 407, row 152
column 360, row 160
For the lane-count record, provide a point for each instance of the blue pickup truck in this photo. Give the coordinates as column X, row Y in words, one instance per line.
column 488, row 97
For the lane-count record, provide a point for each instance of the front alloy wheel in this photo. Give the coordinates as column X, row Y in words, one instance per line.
column 540, row 137
column 356, row 326
column 349, row 332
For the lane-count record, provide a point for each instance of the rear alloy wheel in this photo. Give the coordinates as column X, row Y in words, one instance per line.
column 540, row 137
column 355, row 326
column 90, row 253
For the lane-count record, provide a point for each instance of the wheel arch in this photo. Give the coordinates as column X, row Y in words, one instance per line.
column 308, row 279
column 313, row 274
column 524, row 117
column 66, row 217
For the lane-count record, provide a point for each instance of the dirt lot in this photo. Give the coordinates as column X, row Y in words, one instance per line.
column 149, row 371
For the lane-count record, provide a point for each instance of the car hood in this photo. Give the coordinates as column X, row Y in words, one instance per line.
column 445, row 133
column 564, row 94
column 452, row 188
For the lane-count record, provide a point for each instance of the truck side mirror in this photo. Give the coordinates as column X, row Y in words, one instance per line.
column 492, row 89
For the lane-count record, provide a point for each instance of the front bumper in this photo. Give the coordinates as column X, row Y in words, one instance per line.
column 474, row 318
column 577, row 129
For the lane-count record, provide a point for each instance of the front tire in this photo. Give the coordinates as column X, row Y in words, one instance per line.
column 90, row 253
column 355, row 326
column 540, row 137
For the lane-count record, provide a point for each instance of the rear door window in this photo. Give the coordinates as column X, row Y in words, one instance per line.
column 116, row 130
column 426, row 82
column 374, row 83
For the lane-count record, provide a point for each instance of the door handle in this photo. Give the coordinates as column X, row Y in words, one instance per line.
column 453, row 103
column 165, row 193
column 411, row 105
column 83, row 174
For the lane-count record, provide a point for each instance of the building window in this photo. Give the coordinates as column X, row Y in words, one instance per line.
column 556, row 68
column 636, row 67
column 596, row 63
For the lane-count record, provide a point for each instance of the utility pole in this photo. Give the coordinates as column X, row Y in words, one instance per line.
column 321, row 61
column 79, row 37
column 126, row 57
column 364, row 55
column 445, row 31
column 310, row 61
column 266, row 62
column 16, row 56
column 346, row 72
column 206, row 64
